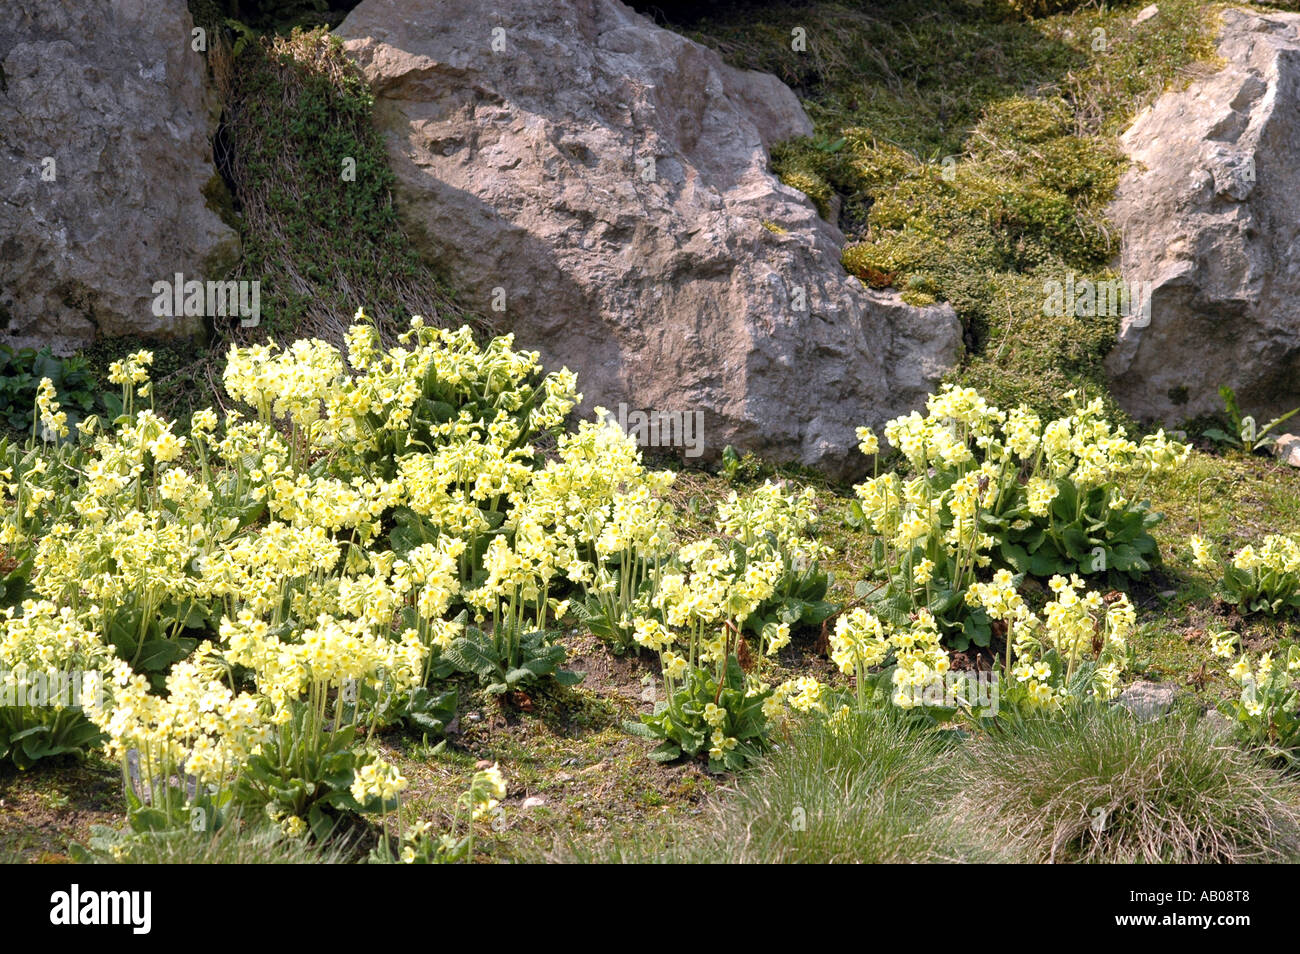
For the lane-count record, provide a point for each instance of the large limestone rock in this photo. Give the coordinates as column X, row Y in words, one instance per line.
column 104, row 154
column 606, row 182
column 1211, row 217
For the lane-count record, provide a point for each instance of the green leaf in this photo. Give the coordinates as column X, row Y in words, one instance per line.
column 148, row 819
column 1044, row 563
column 1077, row 543
column 666, row 752
column 817, row 611
column 1229, row 397
column 471, row 655
column 1067, row 501
column 191, row 616
column 978, row 629
column 640, row 730
column 157, row 654
column 1014, row 555
column 864, row 588
column 321, row 824
column 515, row 676
column 47, row 366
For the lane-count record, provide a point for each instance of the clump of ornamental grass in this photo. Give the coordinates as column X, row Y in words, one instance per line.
column 854, row 789
column 1100, row 786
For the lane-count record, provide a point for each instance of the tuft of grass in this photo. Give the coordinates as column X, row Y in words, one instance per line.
column 1094, row 786
column 862, row 793
column 1103, row 787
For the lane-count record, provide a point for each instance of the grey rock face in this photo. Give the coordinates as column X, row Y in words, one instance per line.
column 1147, row 700
column 1210, row 216
column 1287, row 448
column 604, row 183
column 104, row 155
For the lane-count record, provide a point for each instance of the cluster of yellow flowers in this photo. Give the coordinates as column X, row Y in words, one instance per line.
column 335, row 654
column 378, row 780
column 970, row 457
column 602, row 516
column 1002, row 493
column 862, row 641
column 694, row 620
column 1268, row 707
column 53, row 420
column 200, row 728
column 132, row 375
column 801, row 696
column 275, row 582
column 45, row 636
column 1277, row 553
column 1045, row 650
column 788, row 520
column 269, row 542
column 704, row 600
column 487, row 790
column 1263, row 578
column 858, row 642
column 52, row 670
column 132, row 370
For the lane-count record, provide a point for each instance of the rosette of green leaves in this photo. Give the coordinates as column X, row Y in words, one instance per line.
column 505, row 662
column 21, row 372
column 308, row 773
column 680, row 725
column 31, row 733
